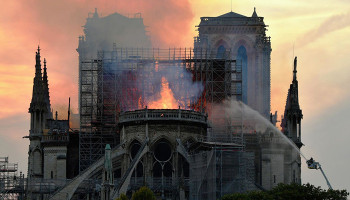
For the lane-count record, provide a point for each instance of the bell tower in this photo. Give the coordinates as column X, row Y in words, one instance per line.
column 245, row 40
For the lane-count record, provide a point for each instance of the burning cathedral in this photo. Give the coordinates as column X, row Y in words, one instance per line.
column 189, row 123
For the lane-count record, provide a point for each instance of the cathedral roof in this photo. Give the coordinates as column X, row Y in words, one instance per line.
column 232, row 14
column 232, row 19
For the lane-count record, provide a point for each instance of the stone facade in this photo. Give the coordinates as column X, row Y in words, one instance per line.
column 280, row 162
column 55, row 162
column 164, row 167
column 244, row 38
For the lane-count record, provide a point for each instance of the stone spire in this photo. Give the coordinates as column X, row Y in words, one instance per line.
column 37, row 96
column 46, row 92
column 39, row 108
column 108, row 164
column 95, row 14
column 254, row 13
column 291, row 122
column 295, row 69
column 38, row 112
column 107, row 176
column 294, row 87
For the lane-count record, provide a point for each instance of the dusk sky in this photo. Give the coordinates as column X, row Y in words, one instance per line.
column 318, row 31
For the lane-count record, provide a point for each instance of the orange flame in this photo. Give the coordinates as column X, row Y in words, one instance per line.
column 167, row 100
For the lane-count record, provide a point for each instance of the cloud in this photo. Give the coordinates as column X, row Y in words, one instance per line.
column 333, row 23
column 56, row 25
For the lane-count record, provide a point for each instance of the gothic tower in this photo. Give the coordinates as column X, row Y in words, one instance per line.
column 244, row 38
column 291, row 127
column 39, row 112
column 291, row 122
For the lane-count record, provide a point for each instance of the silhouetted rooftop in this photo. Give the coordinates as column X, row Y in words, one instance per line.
column 232, row 14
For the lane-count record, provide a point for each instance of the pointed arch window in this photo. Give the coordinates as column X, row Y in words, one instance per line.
column 221, row 52
column 242, row 60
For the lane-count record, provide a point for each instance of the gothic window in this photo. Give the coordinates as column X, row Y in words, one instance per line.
column 138, row 171
column 294, row 177
column 157, row 170
column 162, row 159
column 134, row 149
column 167, row 169
column 221, row 52
column 242, row 59
column 37, row 162
column 162, row 151
column 298, row 130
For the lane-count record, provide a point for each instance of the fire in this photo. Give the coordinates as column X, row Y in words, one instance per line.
column 167, row 100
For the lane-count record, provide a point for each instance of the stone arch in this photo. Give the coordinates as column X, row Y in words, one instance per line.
column 133, row 147
column 242, row 58
column 221, row 42
column 162, row 137
column 220, row 47
column 243, row 49
column 245, row 41
column 37, row 161
column 135, row 139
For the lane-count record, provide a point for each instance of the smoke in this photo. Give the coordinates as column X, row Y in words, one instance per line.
column 139, row 88
column 62, row 111
column 62, row 114
column 101, row 33
column 238, row 112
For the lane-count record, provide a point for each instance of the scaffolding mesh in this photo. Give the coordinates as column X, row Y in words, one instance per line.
column 108, row 87
column 11, row 184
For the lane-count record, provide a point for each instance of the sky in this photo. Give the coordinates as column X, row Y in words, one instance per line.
column 317, row 32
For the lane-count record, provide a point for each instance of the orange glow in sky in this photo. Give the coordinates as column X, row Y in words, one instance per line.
column 315, row 31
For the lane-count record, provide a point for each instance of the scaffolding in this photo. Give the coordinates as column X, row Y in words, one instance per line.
column 108, row 86
column 11, row 185
column 220, row 171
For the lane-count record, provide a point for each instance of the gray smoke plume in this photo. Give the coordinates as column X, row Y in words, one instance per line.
column 115, row 30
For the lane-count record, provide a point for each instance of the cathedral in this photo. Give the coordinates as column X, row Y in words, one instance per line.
column 175, row 152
